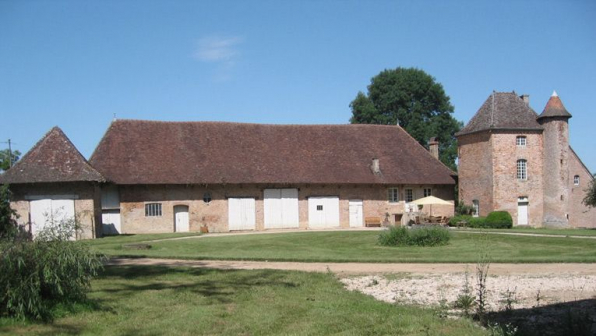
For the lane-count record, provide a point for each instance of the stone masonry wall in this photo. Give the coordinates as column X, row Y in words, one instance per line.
column 214, row 215
column 556, row 172
column 506, row 187
column 85, row 203
column 579, row 214
column 475, row 170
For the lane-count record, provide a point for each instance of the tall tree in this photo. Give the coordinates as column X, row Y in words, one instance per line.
column 412, row 98
column 8, row 224
column 590, row 199
column 5, row 158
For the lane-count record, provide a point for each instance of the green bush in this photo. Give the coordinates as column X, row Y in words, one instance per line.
column 460, row 218
column 37, row 276
column 8, row 225
column 477, row 222
column 499, row 220
column 424, row 236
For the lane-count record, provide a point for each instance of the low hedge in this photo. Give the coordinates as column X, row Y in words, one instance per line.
column 494, row 220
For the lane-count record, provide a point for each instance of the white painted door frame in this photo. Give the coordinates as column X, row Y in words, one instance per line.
column 355, row 209
column 522, row 211
column 241, row 214
column 181, row 218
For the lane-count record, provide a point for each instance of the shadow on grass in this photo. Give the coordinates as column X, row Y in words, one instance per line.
column 577, row 318
column 215, row 285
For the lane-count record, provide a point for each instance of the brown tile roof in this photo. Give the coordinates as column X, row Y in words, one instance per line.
column 53, row 159
column 502, row 110
column 154, row 152
column 554, row 108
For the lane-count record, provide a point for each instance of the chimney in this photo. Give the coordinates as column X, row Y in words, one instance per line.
column 433, row 147
column 376, row 169
column 526, row 98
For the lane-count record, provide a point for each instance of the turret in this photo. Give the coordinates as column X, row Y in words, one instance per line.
column 554, row 119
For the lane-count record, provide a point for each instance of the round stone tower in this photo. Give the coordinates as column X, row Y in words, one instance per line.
column 554, row 119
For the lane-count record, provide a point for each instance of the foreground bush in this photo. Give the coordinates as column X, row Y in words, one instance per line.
column 424, row 236
column 36, row 276
column 455, row 220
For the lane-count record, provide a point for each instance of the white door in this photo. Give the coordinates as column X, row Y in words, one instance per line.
column 181, row 218
column 323, row 212
column 241, row 214
column 281, row 208
column 110, row 220
column 355, row 209
column 50, row 211
column 522, row 211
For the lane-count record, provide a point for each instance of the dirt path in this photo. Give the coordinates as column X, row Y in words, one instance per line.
column 367, row 268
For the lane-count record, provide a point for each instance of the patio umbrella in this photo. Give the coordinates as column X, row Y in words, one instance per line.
column 430, row 200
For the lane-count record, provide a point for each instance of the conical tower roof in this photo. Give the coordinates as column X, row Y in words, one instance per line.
column 53, row 159
column 554, row 108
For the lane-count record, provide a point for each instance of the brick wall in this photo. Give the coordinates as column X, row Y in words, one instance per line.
column 214, row 214
column 579, row 214
column 556, row 172
column 86, row 203
column 506, row 187
column 475, row 170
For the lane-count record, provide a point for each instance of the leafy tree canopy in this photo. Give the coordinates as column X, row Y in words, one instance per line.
column 590, row 199
column 4, row 158
column 412, row 98
column 8, row 225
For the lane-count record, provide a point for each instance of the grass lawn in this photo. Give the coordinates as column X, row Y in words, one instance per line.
column 353, row 246
column 184, row 301
column 558, row 232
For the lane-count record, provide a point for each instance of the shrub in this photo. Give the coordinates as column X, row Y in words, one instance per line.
column 499, row 220
column 424, row 236
column 459, row 218
column 36, row 276
column 395, row 236
column 462, row 209
column 477, row 222
column 430, row 236
column 8, row 225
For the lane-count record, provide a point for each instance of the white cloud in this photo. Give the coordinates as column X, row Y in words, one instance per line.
column 218, row 49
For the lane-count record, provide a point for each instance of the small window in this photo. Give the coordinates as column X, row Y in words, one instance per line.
column 152, row 209
column 522, row 169
column 409, row 195
column 319, row 208
column 520, row 141
column 393, row 195
column 428, row 192
column 476, row 206
column 576, row 180
column 207, row 197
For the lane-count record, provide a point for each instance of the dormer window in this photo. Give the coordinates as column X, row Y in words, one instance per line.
column 576, row 180
column 520, row 141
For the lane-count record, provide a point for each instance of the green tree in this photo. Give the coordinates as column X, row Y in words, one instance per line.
column 590, row 199
column 412, row 98
column 4, row 158
column 8, row 224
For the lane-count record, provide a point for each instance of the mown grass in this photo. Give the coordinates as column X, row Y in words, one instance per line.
column 185, row 301
column 557, row 232
column 351, row 246
column 135, row 238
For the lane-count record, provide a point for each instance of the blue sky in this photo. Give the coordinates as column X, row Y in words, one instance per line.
column 76, row 64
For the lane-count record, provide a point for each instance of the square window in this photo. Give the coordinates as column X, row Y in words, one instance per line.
column 428, row 192
column 393, row 195
column 152, row 209
column 520, row 141
column 319, row 208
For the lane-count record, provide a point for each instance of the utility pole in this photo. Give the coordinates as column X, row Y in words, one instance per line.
column 9, row 155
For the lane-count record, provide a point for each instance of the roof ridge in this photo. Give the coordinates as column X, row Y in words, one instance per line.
column 245, row 123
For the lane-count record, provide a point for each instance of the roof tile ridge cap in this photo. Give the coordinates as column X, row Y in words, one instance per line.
column 426, row 150
column 78, row 153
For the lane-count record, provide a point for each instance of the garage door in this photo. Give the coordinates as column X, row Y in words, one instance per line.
column 281, row 208
column 323, row 212
column 47, row 211
column 241, row 214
